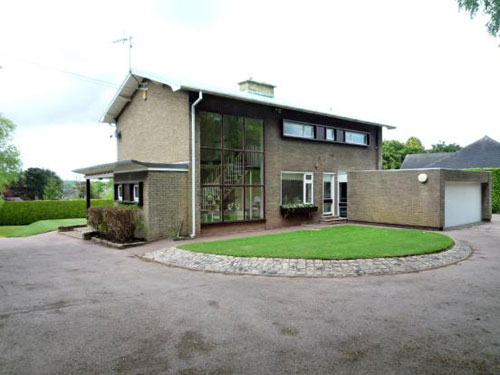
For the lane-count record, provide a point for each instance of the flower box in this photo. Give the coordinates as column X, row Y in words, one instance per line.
column 297, row 209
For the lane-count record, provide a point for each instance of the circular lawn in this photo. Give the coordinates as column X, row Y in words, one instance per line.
column 337, row 242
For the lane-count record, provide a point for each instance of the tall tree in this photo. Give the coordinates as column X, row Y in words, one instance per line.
column 393, row 153
column 443, row 147
column 414, row 146
column 489, row 7
column 32, row 182
column 10, row 160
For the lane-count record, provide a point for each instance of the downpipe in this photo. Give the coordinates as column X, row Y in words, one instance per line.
column 193, row 164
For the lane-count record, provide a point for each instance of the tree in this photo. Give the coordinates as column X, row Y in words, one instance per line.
column 32, row 182
column 414, row 146
column 10, row 160
column 53, row 189
column 489, row 7
column 443, row 147
column 393, row 153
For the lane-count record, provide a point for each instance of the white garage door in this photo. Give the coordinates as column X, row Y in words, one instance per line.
column 462, row 203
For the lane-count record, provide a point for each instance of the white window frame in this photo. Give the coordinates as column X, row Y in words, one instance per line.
column 120, row 192
column 356, row 143
column 326, row 134
column 135, row 196
column 303, row 125
column 304, row 183
column 333, row 191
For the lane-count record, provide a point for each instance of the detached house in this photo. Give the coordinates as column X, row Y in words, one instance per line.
column 200, row 160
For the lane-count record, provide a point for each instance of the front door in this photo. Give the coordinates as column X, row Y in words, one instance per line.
column 328, row 194
column 342, row 194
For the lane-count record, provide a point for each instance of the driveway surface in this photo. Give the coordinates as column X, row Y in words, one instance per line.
column 74, row 307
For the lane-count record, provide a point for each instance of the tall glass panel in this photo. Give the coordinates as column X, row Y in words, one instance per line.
column 232, row 203
column 233, row 168
column 254, row 203
column 210, row 167
column 233, row 132
column 210, row 129
column 254, row 135
column 211, row 204
column 254, row 168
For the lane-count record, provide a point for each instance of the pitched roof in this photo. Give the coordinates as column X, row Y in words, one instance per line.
column 135, row 77
column 416, row 161
column 484, row 153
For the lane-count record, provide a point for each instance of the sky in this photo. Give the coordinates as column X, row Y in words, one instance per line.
column 422, row 66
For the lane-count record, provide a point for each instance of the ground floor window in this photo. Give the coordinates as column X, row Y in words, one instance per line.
column 296, row 187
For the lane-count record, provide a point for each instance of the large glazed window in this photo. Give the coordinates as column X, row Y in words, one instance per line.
column 232, row 168
column 296, row 188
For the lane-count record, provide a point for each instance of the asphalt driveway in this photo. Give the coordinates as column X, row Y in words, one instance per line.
column 69, row 306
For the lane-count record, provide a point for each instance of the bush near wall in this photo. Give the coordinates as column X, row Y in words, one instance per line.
column 117, row 224
column 27, row 212
column 495, row 187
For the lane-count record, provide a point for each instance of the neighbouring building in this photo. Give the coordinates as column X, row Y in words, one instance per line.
column 200, row 160
column 484, row 153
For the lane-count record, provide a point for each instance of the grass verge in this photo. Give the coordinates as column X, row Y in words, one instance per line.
column 38, row 227
column 339, row 242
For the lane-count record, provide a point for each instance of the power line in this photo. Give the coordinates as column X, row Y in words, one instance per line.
column 79, row 76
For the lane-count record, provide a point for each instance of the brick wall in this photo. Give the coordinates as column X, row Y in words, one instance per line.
column 155, row 130
column 397, row 197
column 165, row 204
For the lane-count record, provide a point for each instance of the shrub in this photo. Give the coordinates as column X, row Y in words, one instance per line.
column 117, row 224
column 495, row 188
column 27, row 212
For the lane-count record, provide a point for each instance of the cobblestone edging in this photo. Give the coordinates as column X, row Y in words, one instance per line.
column 308, row 267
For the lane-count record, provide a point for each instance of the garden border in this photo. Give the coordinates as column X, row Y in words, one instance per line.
column 309, row 267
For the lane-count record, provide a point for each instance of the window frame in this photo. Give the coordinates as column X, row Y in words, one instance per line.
column 366, row 135
column 299, row 123
column 334, row 132
column 135, row 197
column 243, row 151
column 119, row 192
column 304, row 183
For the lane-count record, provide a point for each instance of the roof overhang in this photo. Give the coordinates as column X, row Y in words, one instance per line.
column 129, row 166
column 136, row 77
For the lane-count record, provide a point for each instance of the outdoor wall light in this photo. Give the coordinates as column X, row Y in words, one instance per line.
column 422, row 177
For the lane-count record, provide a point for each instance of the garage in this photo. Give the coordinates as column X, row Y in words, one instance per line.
column 462, row 203
column 431, row 198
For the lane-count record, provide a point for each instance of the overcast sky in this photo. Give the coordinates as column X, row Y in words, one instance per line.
column 420, row 65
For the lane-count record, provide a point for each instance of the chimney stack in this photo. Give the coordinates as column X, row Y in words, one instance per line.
column 257, row 88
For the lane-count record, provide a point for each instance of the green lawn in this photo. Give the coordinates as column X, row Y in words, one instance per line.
column 38, row 227
column 339, row 242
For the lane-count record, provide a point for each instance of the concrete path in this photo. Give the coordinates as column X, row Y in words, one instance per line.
column 73, row 307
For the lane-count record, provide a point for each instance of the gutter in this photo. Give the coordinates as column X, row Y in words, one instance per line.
column 193, row 164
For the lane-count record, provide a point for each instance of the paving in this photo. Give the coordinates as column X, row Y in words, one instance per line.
column 308, row 267
column 69, row 306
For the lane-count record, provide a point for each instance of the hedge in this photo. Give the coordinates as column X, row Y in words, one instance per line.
column 27, row 212
column 495, row 188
